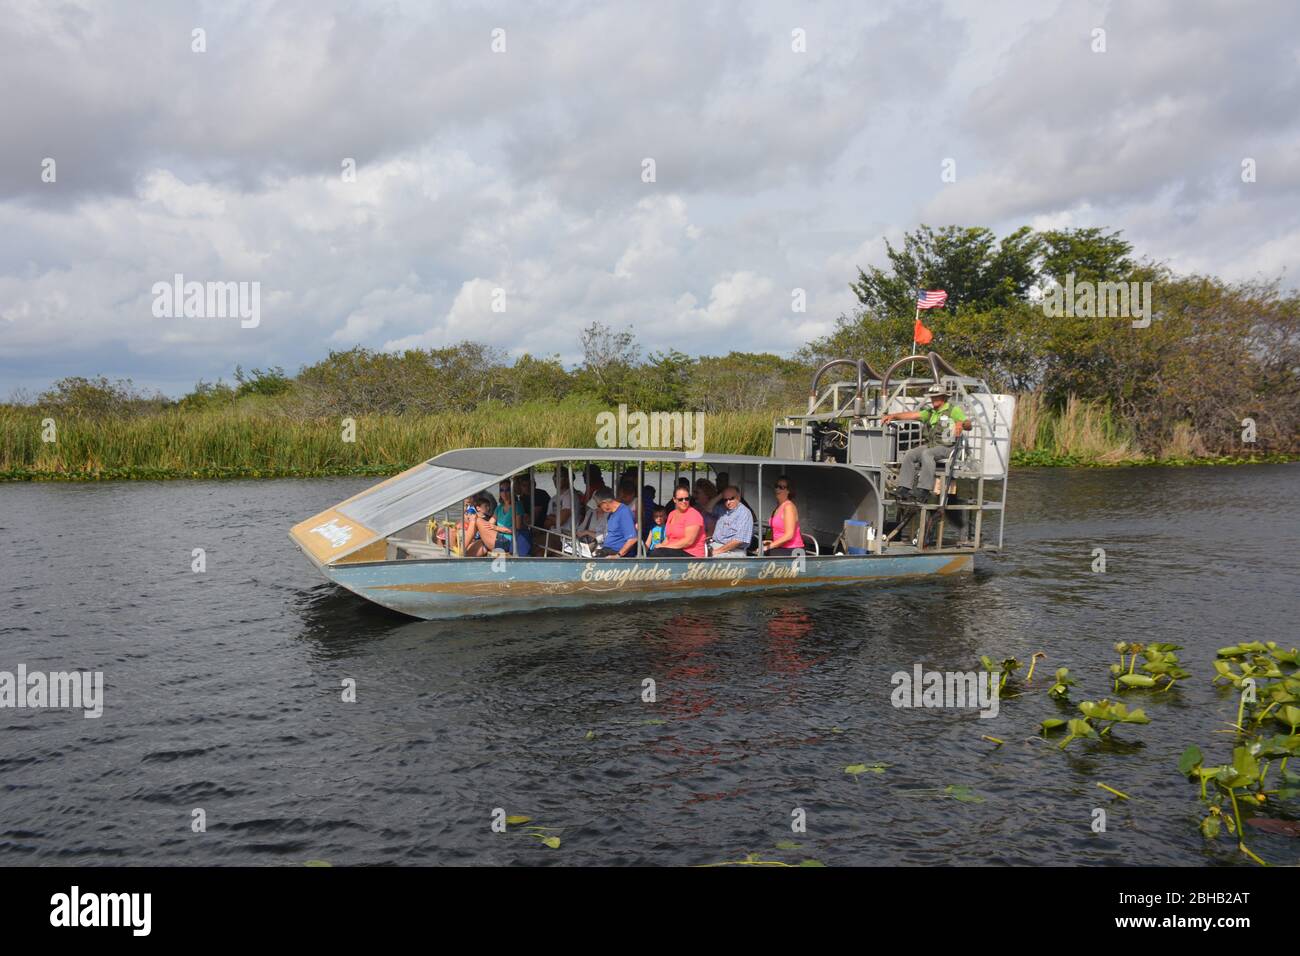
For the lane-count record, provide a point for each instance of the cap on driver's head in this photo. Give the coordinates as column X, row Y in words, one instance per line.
column 935, row 391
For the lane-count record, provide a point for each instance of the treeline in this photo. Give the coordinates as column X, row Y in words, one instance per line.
column 1213, row 356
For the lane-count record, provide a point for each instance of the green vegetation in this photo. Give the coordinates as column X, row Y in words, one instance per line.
column 1267, row 730
column 1092, row 391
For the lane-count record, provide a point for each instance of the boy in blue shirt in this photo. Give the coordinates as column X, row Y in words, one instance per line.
column 656, row 535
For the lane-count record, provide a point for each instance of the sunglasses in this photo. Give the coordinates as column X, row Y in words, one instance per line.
column 782, row 487
column 681, row 499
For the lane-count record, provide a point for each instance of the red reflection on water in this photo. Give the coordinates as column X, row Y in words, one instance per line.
column 785, row 632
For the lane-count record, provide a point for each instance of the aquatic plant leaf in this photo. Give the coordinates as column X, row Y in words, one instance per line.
column 964, row 794
column 811, row 863
column 1245, row 763
column 651, row 723
column 858, row 768
column 1051, row 723
column 1136, row 717
column 1290, row 716
column 1137, row 680
column 591, row 735
column 517, row 819
column 1081, row 728
column 1163, row 647
column 788, row 845
column 1191, row 759
column 1232, row 651
column 317, row 863
column 1210, row 826
column 552, row 842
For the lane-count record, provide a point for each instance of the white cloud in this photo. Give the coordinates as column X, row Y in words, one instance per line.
column 776, row 170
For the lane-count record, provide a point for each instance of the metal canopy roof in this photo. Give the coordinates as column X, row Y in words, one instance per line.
column 508, row 461
column 448, row 479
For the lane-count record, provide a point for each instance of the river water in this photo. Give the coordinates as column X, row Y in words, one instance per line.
column 223, row 693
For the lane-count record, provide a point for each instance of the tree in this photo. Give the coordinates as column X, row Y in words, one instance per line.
column 968, row 263
column 608, row 358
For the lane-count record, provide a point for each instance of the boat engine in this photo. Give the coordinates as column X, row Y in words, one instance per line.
column 829, row 442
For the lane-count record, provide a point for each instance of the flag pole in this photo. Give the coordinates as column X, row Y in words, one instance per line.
column 916, row 318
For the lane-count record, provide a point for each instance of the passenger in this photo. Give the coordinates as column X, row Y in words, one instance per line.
column 702, row 497
column 786, row 536
column 593, row 525
column 717, row 506
column 648, row 506
column 627, row 492
column 684, row 529
column 511, row 518
column 539, row 498
column 656, row 535
column 938, row 442
column 483, row 538
column 561, row 506
column 460, row 530
column 595, row 482
column 620, row 527
column 735, row 528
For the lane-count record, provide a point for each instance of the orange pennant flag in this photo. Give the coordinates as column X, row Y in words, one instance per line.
column 920, row 334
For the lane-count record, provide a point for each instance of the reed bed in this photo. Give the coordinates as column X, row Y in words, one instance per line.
column 258, row 440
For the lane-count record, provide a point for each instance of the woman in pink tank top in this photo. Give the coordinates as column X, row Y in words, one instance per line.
column 786, row 537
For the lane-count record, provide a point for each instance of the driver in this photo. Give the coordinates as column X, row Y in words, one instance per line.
column 943, row 424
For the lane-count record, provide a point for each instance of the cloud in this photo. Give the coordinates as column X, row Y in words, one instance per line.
column 776, row 170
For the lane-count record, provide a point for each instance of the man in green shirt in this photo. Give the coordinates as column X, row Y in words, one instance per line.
column 943, row 424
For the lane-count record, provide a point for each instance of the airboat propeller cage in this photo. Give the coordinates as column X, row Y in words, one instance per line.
column 854, row 427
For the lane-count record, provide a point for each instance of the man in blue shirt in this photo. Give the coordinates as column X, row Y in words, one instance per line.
column 620, row 529
column 735, row 529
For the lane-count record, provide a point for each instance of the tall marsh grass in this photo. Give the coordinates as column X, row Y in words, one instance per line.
column 237, row 442
column 258, row 440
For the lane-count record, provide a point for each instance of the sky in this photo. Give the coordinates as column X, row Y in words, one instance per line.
column 500, row 191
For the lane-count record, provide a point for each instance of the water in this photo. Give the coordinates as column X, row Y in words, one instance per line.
column 223, row 693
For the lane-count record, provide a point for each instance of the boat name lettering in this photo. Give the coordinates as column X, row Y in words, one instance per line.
column 595, row 572
column 709, row 571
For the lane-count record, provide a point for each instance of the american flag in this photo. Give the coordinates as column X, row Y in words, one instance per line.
column 931, row 300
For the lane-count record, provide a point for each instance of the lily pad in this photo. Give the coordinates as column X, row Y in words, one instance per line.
column 1191, row 759
column 859, row 768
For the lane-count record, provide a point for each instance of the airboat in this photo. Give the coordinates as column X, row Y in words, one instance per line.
column 395, row 543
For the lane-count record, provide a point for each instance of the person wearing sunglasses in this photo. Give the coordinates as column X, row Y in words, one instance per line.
column 735, row 528
column 786, row 536
column 684, row 531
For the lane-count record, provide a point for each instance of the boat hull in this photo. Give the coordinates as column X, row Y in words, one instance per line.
column 439, row 588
